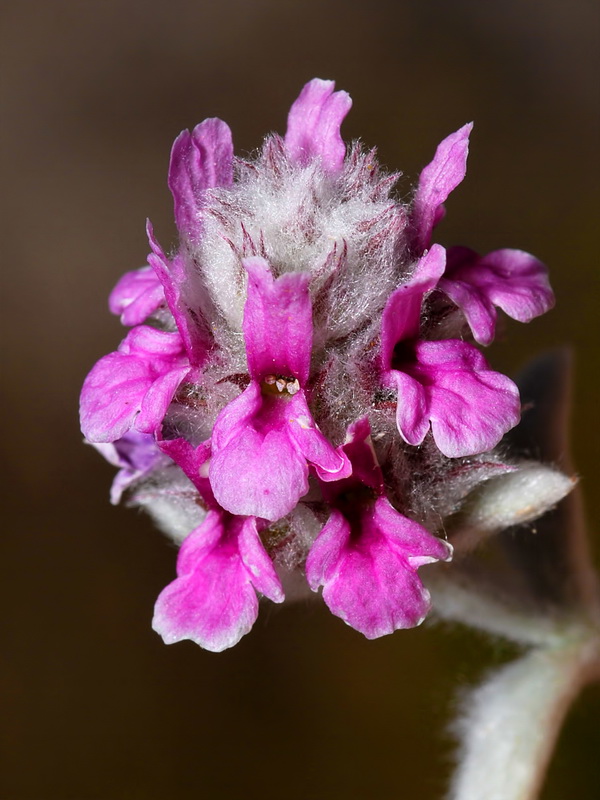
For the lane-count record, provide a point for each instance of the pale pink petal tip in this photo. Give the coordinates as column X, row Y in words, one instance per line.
column 314, row 123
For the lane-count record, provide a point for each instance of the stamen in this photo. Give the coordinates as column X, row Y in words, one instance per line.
column 280, row 385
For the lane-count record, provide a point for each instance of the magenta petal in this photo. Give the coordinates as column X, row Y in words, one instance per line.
column 470, row 406
column 194, row 331
column 402, row 312
column 277, row 322
column 513, row 280
column 367, row 581
column 412, row 409
column 115, row 390
column 199, row 160
column 158, row 347
column 112, row 395
column 136, row 296
column 436, row 181
column 158, row 398
column 410, row 539
column 193, row 461
column 256, row 560
column 331, row 463
column 314, row 123
column 259, row 475
column 255, row 472
column 212, row 602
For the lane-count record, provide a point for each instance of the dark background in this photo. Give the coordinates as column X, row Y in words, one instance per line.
column 95, row 706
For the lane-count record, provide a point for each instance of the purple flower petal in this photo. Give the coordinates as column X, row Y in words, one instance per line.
column 402, row 313
column 449, row 384
column 277, row 322
column 200, row 160
column 212, row 601
column 136, row 296
column 194, row 330
column 368, row 571
column 314, row 123
column 122, row 384
column 513, row 280
column 136, row 454
column 436, row 181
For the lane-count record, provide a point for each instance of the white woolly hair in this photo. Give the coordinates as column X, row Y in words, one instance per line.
column 344, row 230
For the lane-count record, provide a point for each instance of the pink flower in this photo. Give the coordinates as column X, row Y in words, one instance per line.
column 367, row 554
column 264, row 440
column 304, row 295
column 445, row 385
column 221, row 566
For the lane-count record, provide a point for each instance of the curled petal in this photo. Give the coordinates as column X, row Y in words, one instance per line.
column 331, row 463
column 137, row 295
column 191, row 325
column 436, row 181
column 314, row 123
column 212, row 601
column 410, row 539
column 157, row 399
column 200, row 160
column 512, row 280
column 412, row 409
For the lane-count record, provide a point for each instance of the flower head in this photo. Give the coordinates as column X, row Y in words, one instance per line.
column 303, row 364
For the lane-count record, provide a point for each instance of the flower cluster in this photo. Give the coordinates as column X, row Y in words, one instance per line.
column 299, row 393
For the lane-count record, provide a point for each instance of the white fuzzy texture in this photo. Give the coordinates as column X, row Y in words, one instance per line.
column 511, row 722
column 344, row 230
column 460, row 602
column 171, row 500
column 513, row 499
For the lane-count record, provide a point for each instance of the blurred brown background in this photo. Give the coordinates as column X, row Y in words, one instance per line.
column 94, row 705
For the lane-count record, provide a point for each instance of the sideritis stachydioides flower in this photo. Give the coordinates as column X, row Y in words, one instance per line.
column 299, row 393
